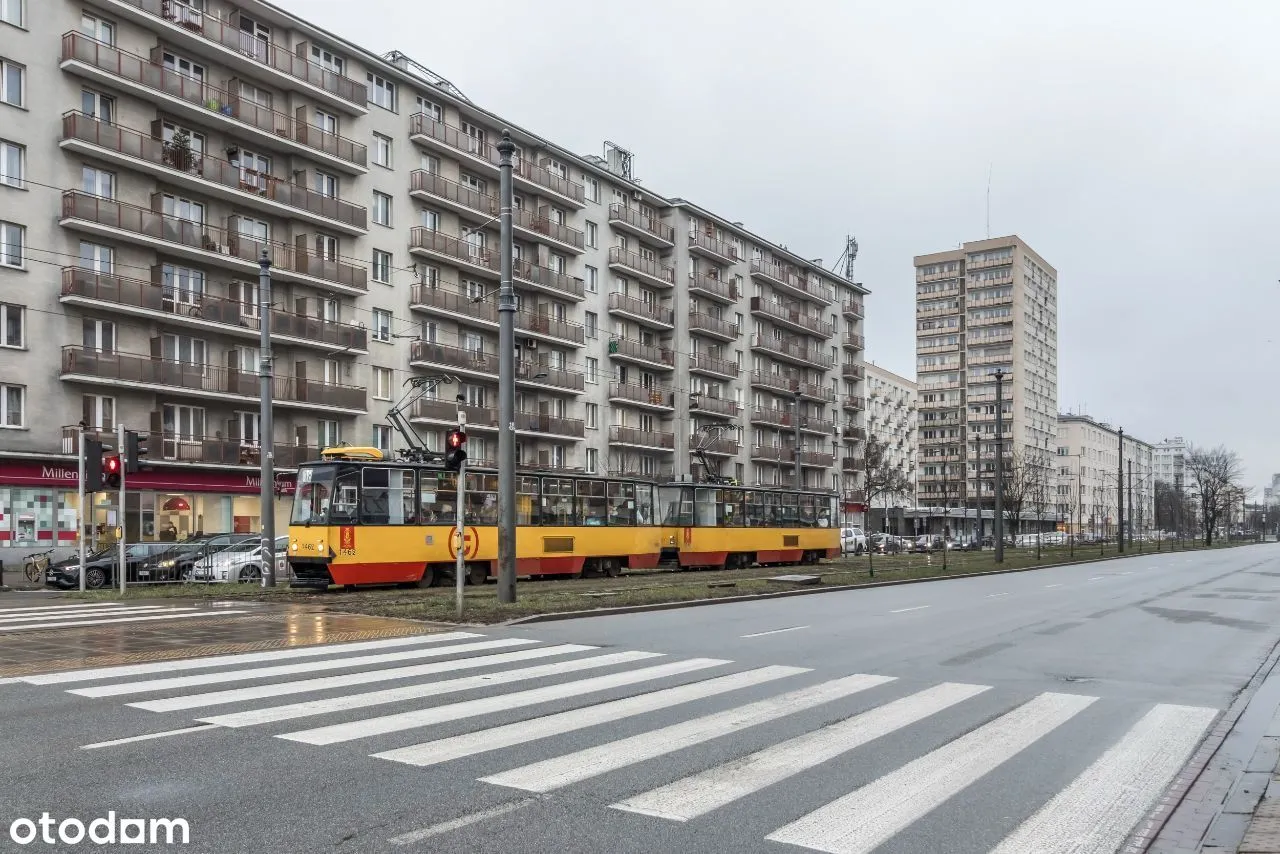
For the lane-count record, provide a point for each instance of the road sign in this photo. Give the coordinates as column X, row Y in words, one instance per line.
column 471, row 548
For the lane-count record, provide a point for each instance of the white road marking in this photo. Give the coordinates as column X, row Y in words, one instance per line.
column 1097, row 578
column 994, row 595
column 154, row 685
column 521, row 732
column 149, row 736
column 78, row 623
column 1095, row 813
column 491, row 705
column 464, row 821
column 67, row 615
column 35, row 609
column 579, row 765
column 9, row 680
column 864, row 819
column 346, row 680
column 776, row 631
column 905, row 610
column 1047, row 586
column 242, row 658
column 701, row 793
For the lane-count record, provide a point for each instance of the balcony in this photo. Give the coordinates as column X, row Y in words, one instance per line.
column 459, row 306
column 454, row 250
column 210, row 176
column 542, row 424
column 790, row 280
column 190, row 98
column 547, row 280
column 851, row 465
column 792, row 350
column 853, row 371
column 974, row 322
column 854, row 343
column 438, row 136
column 703, row 404
column 542, row 180
column 852, row 433
column 712, row 287
column 428, row 354
column 648, row 270
column 649, row 355
column 854, row 403
column 164, row 448
column 715, row 447
column 792, row 317
column 770, row 454
column 543, row 228
column 1002, row 359
column 713, row 327
column 701, row 363
column 650, row 229
column 770, row 417
column 791, row 384
column 853, row 309
column 989, row 302
column 208, row 244
column 214, row 382
column 633, row 437
column 983, row 263
column 719, row 251
column 222, row 315
column 941, row 384
column 446, row 412
column 660, row 398
column 816, row 459
column 208, row 34
column 937, row 309
column 644, row 312
column 440, row 191
column 544, row 376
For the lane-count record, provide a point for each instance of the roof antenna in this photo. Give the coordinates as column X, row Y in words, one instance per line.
column 990, row 166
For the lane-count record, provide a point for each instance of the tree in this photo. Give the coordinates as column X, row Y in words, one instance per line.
column 1042, row 477
column 1019, row 487
column 1216, row 473
column 883, row 478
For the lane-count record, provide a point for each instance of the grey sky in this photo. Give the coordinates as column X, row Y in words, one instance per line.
column 1133, row 145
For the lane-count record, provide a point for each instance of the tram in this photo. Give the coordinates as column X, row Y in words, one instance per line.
column 359, row 518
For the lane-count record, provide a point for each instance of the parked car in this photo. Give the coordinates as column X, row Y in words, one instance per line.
column 100, row 568
column 176, row 564
column 852, row 541
column 240, row 562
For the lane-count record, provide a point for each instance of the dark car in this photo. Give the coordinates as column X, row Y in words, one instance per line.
column 176, row 562
column 100, row 567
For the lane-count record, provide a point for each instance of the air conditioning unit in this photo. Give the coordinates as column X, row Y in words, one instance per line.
column 531, row 343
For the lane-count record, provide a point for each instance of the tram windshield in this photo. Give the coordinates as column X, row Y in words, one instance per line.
column 311, row 499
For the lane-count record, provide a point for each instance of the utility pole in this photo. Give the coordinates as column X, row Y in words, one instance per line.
column 1120, row 497
column 1132, row 514
column 977, row 500
column 123, row 565
column 999, row 518
column 266, row 427
column 506, row 384
column 82, row 511
column 799, row 477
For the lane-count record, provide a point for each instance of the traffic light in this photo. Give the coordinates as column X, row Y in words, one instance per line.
column 455, row 450
column 135, row 447
column 111, row 471
column 92, row 466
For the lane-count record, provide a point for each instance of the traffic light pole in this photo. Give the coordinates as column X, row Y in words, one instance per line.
column 266, row 427
column 122, row 566
column 460, row 560
column 506, row 384
column 83, row 529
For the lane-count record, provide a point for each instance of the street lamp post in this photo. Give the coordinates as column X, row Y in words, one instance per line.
column 999, row 519
column 506, row 383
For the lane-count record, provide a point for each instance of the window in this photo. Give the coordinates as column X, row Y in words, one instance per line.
column 593, row 370
column 98, row 182
column 96, row 257
column 326, row 185
column 592, row 187
column 255, row 95
column 328, row 433
column 382, row 92
column 382, row 266
column 591, row 324
column 592, row 419
column 11, row 12
column 99, row 336
column 12, row 328
column 98, row 411
column 381, row 209
column 13, row 400
column 327, row 59
column 593, row 461
column 327, row 122
column 12, row 240
column 593, row 234
column 429, row 109
column 13, row 83
column 430, row 220
column 382, row 437
column 381, row 325
column 183, row 66
column 98, row 106
column 382, row 383
column 326, row 247
column 13, row 161
column 592, row 280
column 382, row 150
column 185, row 350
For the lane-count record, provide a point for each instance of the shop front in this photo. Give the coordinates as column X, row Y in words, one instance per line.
column 39, row 504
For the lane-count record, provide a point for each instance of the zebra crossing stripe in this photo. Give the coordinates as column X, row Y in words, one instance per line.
column 864, row 819
column 491, row 705
column 153, row 685
column 36, row 609
column 346, row 680
column 78, row 623
column 521, row 732
column 123, row 670
column 112, row 612
column 561, row 771
column 1095, row 813
column 701, row 793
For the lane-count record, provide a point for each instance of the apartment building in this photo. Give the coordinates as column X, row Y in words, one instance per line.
column 152, row 150
column 891, row 419
column 1170, row 457
column 990, row 305
column 1088, row 470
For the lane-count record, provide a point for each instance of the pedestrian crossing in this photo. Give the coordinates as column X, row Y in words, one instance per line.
column 455, row 699
column 76, row 615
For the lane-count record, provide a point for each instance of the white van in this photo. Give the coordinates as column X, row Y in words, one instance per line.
column 242, row 562
column 852, row 541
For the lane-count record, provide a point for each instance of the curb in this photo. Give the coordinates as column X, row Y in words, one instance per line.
column 558, row 616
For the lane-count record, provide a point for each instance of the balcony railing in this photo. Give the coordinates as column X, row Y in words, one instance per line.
column 549, row 279
column 713, row 287
column 529, row 372
column 540, row 175
column 792, row 315
column 431, row 184
column 149, row 73
column 715, row 406
column 537, row 422
column 456, row 357
column 853, row 464
column 543, row 223
column 660, row 396
column 626, row 348
column 648, row 226
column 719, row 447
column 427, row 127
column 479, row 417
column 645, row 438
column 640, row 308
column 455, row 248
column 456, row 303
column 766, row 415
column 716, row 326
column 853, row 308
column 794, row 349
column 853, row 434
column 791, row 279
column 817, row 459
column 144, row 147
column 854, row 402
column 771, row 454
column 713, row 364
column 199, row 236
column 229, row 35
column 553, row 327
column 720, row 250
column 206, row 308
column 854, row 342
column 170, row 447
column 205, row 379
column 634, row 262
column 928, row 309
column 853, row 371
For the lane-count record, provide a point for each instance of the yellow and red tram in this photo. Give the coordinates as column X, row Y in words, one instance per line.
column 361, row 519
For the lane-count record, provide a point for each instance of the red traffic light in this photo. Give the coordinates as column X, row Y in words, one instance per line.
column 456, row 439
column 111, row 465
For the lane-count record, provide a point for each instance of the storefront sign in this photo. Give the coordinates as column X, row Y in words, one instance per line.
column 175, row 479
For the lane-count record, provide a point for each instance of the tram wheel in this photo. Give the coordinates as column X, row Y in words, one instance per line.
column 477, row 574
column 430, row 578
column 611, row 566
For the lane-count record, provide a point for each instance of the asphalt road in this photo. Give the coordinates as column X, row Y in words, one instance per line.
column 1032, row 712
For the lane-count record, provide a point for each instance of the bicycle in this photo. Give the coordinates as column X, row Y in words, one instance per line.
column 34, row 566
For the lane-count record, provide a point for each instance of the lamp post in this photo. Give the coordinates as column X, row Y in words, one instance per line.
column 999, row 519
column 506, row 382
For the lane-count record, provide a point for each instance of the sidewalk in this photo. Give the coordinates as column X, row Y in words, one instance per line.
column 1263, row 833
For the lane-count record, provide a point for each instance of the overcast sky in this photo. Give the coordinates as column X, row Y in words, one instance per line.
column 1132, row 144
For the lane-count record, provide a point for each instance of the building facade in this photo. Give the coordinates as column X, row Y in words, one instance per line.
column 1170, row 459
column 1088, row 476
column 891, row 419
column 988, row 306
column 152, row 150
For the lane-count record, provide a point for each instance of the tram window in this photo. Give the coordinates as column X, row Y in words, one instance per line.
column 731, row 510
column 311, row 497
column 807, row 516
column 705, row 501
column 482, row 499
column 676, row 504
column 644, row 504
column 346, row 490
column 439, row 494
column 622, row 503
column 826, row 511
column 526, row 500
column 557, row 502
column 373, row 496
column 769, row 507
column 755, row 508
column 788, row 510
column 592, row 503
column 401, row 506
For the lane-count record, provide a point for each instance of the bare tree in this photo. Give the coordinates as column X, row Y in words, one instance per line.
column 1216, row 473
column 1041, row 479
column 883, row 478
column 1019, row 488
